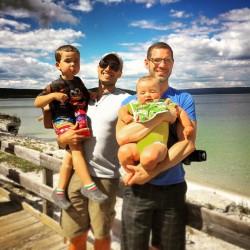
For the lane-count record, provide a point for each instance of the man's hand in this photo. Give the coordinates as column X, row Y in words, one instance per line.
column 72, row 137
column 141, row 176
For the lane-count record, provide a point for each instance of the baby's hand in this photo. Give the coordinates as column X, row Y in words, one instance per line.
column 167, row 101
column 188, row 130
column 128, row 119
column 61, row 97
column 172, row 114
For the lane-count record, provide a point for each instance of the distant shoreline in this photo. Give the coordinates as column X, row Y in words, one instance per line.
column 32, row 93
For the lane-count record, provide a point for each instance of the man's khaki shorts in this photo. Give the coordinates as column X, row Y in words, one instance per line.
column 85, row 214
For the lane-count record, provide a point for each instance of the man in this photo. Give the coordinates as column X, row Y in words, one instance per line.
column 155, row 203
column 100, row 152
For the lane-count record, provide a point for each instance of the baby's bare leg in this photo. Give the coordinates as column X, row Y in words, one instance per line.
column 152, row 155
column 128, row 154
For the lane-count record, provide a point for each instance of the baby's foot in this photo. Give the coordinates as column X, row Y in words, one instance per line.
column 61, row 200
column 95, row 195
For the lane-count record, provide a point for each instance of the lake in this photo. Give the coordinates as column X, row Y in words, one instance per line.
column 223, row 131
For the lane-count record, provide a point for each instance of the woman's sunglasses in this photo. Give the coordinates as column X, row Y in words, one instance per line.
column 103, row 64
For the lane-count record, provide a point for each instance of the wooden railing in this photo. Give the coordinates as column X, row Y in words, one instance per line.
column 214, row 223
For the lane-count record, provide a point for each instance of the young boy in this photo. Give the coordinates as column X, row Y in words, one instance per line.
column 68, row 99
column 151, row 149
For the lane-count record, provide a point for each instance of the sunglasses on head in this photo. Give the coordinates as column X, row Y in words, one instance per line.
column 114, row 66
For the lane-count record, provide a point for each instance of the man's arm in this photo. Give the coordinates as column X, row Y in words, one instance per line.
column 124, row 115
column 176, row 154
column 126, row 133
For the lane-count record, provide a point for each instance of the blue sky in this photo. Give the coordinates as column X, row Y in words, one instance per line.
column 210, row 39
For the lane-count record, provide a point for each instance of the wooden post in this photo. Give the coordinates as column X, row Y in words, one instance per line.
column 48, row 207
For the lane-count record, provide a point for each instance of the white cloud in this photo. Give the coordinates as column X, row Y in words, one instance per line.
column 151, row 3
column 207, row 21
column 148, row 3
column 7, row 24
column 238, row 15
column 45, row 11
column 41, row 39
column 26, row 72
column 88, row 5
column 209, row 52
column 82, row 5
column 234, row 42
column 179, row 14
column 24, row 67
column 146, row 24
column 169, row 1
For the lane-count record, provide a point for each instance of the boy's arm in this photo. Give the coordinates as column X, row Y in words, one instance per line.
column 43, row 100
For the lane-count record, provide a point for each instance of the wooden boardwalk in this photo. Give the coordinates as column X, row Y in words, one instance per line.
column 23, row 227
column 208, row 221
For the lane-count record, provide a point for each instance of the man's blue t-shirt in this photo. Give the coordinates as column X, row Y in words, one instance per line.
column 175, row 174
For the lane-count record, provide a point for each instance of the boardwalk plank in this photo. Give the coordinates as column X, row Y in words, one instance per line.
column 13, row 217
column 25, row 228
column 45, row 241
column 20, row 224
column 12, row 238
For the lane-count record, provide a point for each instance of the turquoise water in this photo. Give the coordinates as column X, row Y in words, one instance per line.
column 24, row 108
column 223, row 131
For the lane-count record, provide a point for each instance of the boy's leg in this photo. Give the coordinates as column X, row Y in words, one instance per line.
column 89, row 189
column 65, row 171
column 152, row 155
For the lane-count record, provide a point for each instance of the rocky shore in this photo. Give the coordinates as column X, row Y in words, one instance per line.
column 231, row 205
column 9, row 124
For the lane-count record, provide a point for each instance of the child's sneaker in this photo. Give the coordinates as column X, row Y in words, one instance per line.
column 61, row 201
column 95, row 195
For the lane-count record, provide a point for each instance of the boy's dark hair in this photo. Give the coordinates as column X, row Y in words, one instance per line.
column 64, row 48
column 159, row 45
